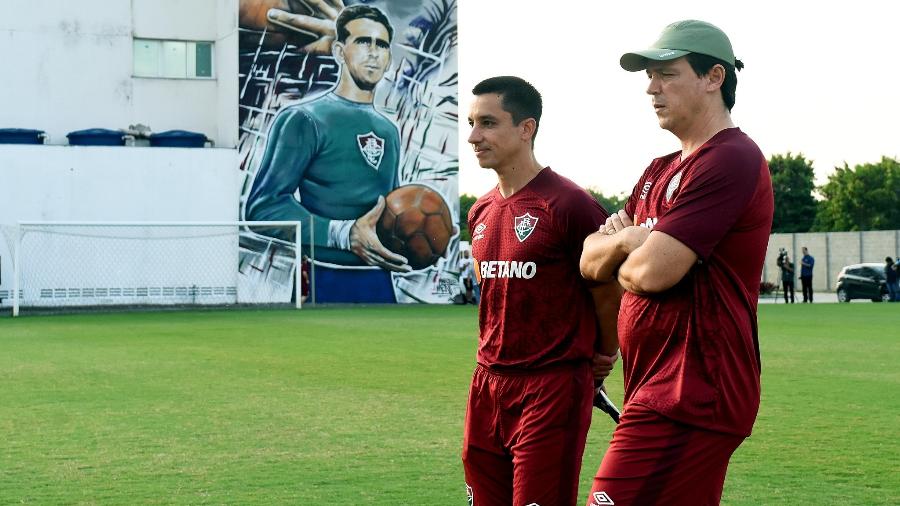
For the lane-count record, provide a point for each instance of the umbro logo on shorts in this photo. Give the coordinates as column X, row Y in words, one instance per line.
column 601, row 499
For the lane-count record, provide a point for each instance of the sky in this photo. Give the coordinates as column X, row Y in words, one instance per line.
column 820, row 80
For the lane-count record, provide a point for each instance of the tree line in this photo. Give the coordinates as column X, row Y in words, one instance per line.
column 865, row 197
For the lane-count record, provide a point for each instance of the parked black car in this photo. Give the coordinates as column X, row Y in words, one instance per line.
column 862, row 281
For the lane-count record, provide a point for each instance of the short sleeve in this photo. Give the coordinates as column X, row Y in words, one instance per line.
column 631, row 204
column 712, row 199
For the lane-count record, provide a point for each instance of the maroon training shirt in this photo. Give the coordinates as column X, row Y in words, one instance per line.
column 691, row 353
column 535, row 308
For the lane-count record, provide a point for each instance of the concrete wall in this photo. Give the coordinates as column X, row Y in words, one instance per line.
column 85, row 183
column 832, row 251
column 68, row 66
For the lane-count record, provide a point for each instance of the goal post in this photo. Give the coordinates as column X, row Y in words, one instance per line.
column 159, row 263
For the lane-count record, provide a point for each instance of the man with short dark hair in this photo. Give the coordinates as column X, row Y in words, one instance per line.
column 688, row 248
column 340, row 156
column 806, row 275
column 529, row 405
column 890, row 279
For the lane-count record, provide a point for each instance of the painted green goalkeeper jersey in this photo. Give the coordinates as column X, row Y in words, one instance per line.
column 326, row 159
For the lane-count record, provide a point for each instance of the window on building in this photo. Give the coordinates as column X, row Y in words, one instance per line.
column 173, row 59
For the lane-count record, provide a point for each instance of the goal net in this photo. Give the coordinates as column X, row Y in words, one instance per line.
column 65, row 264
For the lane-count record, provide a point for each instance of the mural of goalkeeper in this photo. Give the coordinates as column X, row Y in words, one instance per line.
column 330, row 161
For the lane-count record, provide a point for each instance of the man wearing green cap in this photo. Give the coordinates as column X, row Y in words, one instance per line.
column 688, row 248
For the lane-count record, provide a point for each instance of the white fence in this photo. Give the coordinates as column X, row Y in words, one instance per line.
column 62, row 264
column 832, row 251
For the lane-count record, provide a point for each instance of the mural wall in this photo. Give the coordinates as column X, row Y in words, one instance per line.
column 342, row 104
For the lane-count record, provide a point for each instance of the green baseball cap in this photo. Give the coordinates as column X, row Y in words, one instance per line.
column 681, row 38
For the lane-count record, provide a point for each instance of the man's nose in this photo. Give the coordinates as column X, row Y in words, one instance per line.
column 653, row 86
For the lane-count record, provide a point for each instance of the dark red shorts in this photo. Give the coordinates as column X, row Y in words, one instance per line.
column 654, row 460
column 525, row 435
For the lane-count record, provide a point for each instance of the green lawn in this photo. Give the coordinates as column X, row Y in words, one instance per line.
column 365, row 406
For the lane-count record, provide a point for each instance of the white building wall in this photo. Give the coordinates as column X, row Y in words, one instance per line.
column 176, row 19
column 69, row 67
column 99, row 183
column 112, row 183
column 226, row 61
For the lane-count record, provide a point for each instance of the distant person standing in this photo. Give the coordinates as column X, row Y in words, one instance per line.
column 897, row 270
column 787, row 279
column 890, row 278
column 806, row 271
column 467, row 275
column 304, row 279
column 476, row 287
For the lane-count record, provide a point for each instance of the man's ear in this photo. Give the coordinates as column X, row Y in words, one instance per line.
column 716, row 77
column 337, row 50
column 528, row 125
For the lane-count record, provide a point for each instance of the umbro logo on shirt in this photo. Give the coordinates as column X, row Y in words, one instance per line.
column 479, row 232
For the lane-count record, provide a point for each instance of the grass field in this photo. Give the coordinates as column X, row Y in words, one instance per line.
column 365, row 406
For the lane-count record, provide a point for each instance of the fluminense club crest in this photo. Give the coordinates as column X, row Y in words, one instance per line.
column 372, row 148
column 673, row 185
column 524, row 226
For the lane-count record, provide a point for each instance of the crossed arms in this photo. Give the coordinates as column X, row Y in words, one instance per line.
column 643, row 261
column 623, row 256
